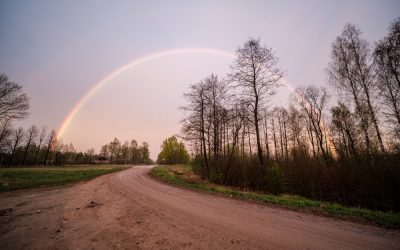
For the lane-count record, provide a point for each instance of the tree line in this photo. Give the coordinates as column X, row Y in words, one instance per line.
column 34, row 146
column 348, row 152
column 37, row 147
column 126, row 153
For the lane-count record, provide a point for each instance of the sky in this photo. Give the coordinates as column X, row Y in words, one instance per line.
column 60, row 50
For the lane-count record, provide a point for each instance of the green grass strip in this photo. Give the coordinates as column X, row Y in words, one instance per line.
column 25, row 178
column 389, row 220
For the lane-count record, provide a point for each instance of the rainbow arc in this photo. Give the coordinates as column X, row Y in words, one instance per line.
column 97, row 86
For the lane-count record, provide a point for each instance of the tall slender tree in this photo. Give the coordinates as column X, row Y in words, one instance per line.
column 387, row 68
column 256, row 76
column 313, row 101
column 194, row 126
column 351, row 71
column 18, row 135
column 42, row 136
column 50, row 142
column 31, row 136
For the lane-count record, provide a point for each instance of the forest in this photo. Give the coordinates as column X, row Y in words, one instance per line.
column 339, row 142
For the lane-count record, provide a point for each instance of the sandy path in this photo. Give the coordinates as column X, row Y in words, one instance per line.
column 129, row 210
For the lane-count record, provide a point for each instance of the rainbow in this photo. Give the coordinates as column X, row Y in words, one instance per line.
column 69, row 118
column 97, row 86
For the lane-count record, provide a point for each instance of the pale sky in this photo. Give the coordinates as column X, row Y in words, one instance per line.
column 58, row 50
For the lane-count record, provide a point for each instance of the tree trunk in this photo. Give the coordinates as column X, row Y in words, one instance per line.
column 374, row 120
column 266, row 139
column 274, row 136
column 364, row 121
column 13, row 152
column 203, row 137
column 26, row 151
column 259, row 148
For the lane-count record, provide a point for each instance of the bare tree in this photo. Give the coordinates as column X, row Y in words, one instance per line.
column 295, row 125
column 57, row 146
column 256, row 76
column 343, row 123
column 31, row 136
column 282, row 116
column 18, row 135
column 14, row 104
column 387, row 61
column 5, row 133
column 312, row 101
column 274, row 136
column 267, row 149
column 50, row 141
column 194, row 125
column 42, row 136
column 236, row 117
column 351, row 72
column 215, row 94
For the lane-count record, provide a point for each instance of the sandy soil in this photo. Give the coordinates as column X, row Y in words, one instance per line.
column 130, row 210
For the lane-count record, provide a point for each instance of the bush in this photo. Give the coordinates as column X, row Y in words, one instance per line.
column 275, row 180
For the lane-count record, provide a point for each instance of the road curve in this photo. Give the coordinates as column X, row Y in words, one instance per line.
column 130, row 210
column 184, row 218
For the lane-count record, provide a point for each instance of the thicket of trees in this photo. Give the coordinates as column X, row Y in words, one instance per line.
column 173, row 152
column 37, row 147
column 126, row 153
column 348, row 152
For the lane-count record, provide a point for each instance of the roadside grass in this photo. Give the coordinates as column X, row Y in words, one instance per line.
column 183, row 176
column 34, row 177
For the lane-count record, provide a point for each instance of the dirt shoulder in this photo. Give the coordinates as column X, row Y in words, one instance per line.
column 32, row 218
column 130, row 210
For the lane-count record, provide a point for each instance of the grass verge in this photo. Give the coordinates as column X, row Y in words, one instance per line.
column 25, row 178
column 183, row 176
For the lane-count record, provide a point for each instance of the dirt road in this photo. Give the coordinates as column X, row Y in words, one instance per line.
column 130, row 210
